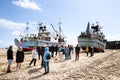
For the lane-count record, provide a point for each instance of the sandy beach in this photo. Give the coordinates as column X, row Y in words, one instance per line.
column 102, row 66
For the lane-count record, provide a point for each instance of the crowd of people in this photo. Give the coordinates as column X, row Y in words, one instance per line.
column 45, row 54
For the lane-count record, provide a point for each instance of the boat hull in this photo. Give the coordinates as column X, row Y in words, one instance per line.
column 95, row 49
column 27, row 49
column 87, row 42
column 28, row 45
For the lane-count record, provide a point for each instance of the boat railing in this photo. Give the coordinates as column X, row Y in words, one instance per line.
column 32, row 43
column 92, row 36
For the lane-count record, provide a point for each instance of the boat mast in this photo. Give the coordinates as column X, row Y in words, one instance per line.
column 88, row 28
column 57, row 34
column 60, row 29
column 26, row 31
column 40, row 30
column 54, row 28
column 40, row 27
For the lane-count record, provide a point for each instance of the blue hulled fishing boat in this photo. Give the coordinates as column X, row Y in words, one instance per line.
column 43, row 38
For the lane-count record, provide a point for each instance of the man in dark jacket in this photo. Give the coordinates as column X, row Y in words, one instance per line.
column 56, row 50
column 77, row 51
column 91, row 51
column 52, row 48
column 9, row 58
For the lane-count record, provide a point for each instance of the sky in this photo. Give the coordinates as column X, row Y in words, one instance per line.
column 73, row 15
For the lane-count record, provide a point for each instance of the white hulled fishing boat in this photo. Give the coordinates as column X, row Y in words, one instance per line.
column 92, row 37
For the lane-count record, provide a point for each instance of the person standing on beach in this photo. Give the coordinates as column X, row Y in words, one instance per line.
column 52, row 49
column 91, row 51
column 42, row 54
column 34, row 56
column 77, row 51
column 19, row 58
column 67, row 57
column 38, row 50
column 69, row 47
column 56, row 50
column 46, row 60
column 87, row 50
column 9, row 58
column 61, row 52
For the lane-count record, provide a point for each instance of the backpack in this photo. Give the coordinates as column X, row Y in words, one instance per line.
column 48, row 56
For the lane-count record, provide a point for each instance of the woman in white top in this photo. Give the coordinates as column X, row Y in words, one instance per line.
column 34, row 56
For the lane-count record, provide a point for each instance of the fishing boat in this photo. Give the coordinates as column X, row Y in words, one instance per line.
column 93, row 36
column 43, row 38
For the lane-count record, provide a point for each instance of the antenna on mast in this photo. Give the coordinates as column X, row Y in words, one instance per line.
column 27, row 27
column 59, row 29
column 60, row 25
column 26, row 30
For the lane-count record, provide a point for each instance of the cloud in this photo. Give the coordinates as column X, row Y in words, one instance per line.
column 27, row 4
column 16, row 33
column 11, row 25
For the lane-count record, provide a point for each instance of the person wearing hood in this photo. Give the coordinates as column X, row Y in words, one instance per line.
column 66, row 53
column 46, row 60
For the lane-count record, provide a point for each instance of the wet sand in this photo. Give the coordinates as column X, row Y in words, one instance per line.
column 102, row 66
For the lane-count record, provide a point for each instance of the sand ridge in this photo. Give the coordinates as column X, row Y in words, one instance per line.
column 102, row 66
